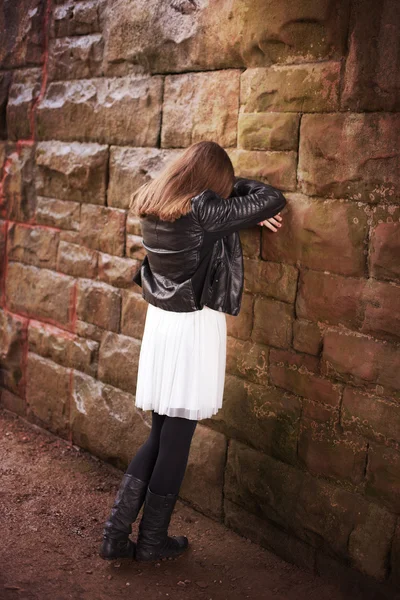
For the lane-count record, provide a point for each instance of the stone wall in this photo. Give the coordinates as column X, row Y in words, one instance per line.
column 95, row 97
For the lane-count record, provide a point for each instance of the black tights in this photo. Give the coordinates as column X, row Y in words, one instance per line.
column 163, row 458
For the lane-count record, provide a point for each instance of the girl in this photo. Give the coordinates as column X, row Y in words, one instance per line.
column 191, row 277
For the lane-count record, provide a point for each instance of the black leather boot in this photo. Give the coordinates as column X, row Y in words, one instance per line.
column 153, row 542
column 116, row 542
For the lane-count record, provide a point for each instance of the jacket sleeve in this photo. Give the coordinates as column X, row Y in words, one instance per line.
column 249, row 203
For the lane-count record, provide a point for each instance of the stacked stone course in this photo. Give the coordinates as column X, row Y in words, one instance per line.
column 96, row 96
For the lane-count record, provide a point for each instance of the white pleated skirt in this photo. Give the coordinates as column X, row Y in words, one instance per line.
column 182, row 362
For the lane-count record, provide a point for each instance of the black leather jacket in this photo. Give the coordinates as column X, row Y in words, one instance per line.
column 197, row 260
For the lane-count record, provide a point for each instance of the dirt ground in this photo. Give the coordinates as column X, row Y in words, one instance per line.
column 54, row 499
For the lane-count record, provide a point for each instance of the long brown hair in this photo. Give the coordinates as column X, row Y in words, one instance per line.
column 203, row 165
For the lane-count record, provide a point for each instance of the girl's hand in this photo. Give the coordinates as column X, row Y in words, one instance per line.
column 272, row 221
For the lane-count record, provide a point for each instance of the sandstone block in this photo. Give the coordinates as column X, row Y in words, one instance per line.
column 247, row 360
column 307, row 88
column 307, row 337
column 62, row 347
column 206, row 462
column 12, row 352
column 372, row 416
column 383, row 476
column 276, row 168
column 48, row 393
column 194, row 109
column 23, row 34
column 359, row 359
column 261, row 416
column 275, row 280
column 76, row 57
column 23, row 93
column 40, row 293
column 384, row 250
column 129, row 169
column 239, row 326
column 272, row 322
column 371, row 77
column 99, row 304
column 303, row 383
column 116, row 271
column 112, row 111
column 18, row 196
column 76, row 260
column 268, row 131
column 78, row 19
column 33, row 245
column 12, row 402
column 5, row 82
column 74, row 172
column 134, row 309
column 350, row 155
column 103, row 229
column 118, row 361
column 58, row 213
column 325, row 235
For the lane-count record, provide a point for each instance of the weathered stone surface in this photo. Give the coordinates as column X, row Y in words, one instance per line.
column 103, row 229
column 113, row 111
column 134, row 247
column 12, row 352
column 262, row 416
column 22, row 33
column 17, row 195
column 357, row 358
column 48, row 393
column 250, row 239
column 79, row 18
column 129, row 169
column 63, row 347
column 371, row 76
column 266, row 534
column 268, row 131
column 3, row 242
column 381, row 316
column 304, row 88
column 307, row 337
column 76, row 57
column 5, row 81
column 33, row 245
column 23, row 94
column 240, row 326
column 331, row 298
column 275, row 280
column 351, row 156
column 314, row 510
column 40, row 293
column 76, row 260
column 295, row 374
column 104, row 420
column 247, row 360
column 321, row 413
column 395, row 557
column 272, row 322
column 326, row 235
column 74, row 172
column 12, row 402
column 58, row 213
column 374, row 417
column 384, row 250
column 134, row 309
column 118, row 361
column 383, row 476
column 206, row 462
column 181, row 37
column 133, row 225
column 99, row 304
column 116, row 271
column 276, row 168
column 194, row 109
column 325, row 451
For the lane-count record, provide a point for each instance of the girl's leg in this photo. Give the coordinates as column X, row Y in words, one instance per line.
column 141, row 465
column 173, row 454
